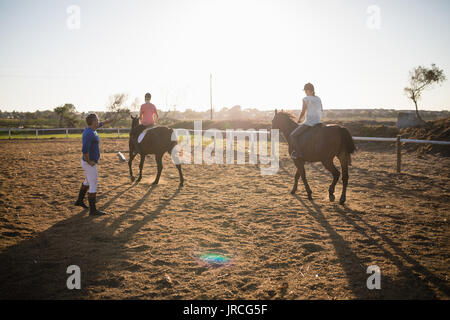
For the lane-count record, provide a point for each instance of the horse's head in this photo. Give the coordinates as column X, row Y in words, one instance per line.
column 134, row 121
column 281, row 119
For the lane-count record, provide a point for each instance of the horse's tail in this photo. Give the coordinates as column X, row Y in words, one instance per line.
column 347, row 146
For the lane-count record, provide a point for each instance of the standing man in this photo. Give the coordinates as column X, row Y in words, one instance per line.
column 148, row 116
column 89, row 160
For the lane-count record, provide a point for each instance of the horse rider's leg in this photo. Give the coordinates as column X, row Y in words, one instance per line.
column 297, row 175
column 305, row 182
column 141, row 166
column 181, row 175
column 297, row 153
column 158, row 158
column 343, row 158
column 329, row 165
column 293, row 142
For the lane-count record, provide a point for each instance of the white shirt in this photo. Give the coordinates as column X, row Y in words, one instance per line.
column 313, row 110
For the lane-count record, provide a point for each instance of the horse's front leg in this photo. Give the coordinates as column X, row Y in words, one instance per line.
column 305, row 182
column 141, row 166
column 159, row 163
column 130, row 161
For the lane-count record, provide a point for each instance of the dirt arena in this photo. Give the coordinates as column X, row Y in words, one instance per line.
column 279, row 246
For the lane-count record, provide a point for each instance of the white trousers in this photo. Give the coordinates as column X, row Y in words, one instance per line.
column 90, row 176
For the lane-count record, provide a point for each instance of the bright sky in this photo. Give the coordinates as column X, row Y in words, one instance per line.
column 260, row 52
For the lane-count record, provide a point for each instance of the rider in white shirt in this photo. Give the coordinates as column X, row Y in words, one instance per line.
column 312, row 107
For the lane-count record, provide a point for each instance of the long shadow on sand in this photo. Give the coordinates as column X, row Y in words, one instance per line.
column 36, row 268
column 414, row 279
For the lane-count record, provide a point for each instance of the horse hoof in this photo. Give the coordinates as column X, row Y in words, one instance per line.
column 332, row 197
column 155, row 183
column 293, row 191
column 342, row 201
column 132, row 179
column 310, row 197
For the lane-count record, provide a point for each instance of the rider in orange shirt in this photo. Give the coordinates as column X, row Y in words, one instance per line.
column 148, row 113
column 148, row 116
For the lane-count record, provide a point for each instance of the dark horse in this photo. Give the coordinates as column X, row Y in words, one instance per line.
column 157, row 141
column 319, row 143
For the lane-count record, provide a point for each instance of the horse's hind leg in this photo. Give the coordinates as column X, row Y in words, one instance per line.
column 329, row 165
column 159, row 163
column 343, row 158
column 181, row 175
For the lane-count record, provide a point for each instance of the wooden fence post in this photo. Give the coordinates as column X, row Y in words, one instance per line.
column 118, row 132
column 37, row 134
column 9, row 134
column 67, row 133
column 399, row 154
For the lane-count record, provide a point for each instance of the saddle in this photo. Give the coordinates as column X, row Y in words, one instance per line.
column 142, row 134
column 309, row 133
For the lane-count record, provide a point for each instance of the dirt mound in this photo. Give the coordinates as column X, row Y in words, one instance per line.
column 364, row 128
column 436, row 130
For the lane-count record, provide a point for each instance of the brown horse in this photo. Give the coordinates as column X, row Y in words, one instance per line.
column 319, row 143
column 157, row 141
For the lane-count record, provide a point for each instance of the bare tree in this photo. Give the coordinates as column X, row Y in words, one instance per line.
column 420, row 79
column 117, row 108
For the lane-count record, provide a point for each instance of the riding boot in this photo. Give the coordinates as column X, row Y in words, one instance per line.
column 80, row 201
column 92, row 209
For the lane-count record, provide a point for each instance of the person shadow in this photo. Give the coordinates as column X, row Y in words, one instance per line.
column 37, row 268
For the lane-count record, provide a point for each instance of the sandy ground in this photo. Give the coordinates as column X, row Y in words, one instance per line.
column 280, row 246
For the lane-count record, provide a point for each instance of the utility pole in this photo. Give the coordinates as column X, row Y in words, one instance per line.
column 210, row 94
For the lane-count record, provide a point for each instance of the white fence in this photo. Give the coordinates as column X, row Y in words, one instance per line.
column 398, row 140
column 66, row 131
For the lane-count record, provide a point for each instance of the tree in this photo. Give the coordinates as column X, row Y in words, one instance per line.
column 116, row 106
column 420, row 79
column 65, row 114
column 235, row 112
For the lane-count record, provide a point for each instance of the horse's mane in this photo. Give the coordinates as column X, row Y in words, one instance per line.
column 286, row 115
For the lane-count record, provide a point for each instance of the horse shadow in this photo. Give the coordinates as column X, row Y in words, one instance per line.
column 412, row 282
column 415, row 277
column 37, row 268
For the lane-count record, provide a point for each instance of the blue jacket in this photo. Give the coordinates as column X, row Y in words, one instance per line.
column 91, row 143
